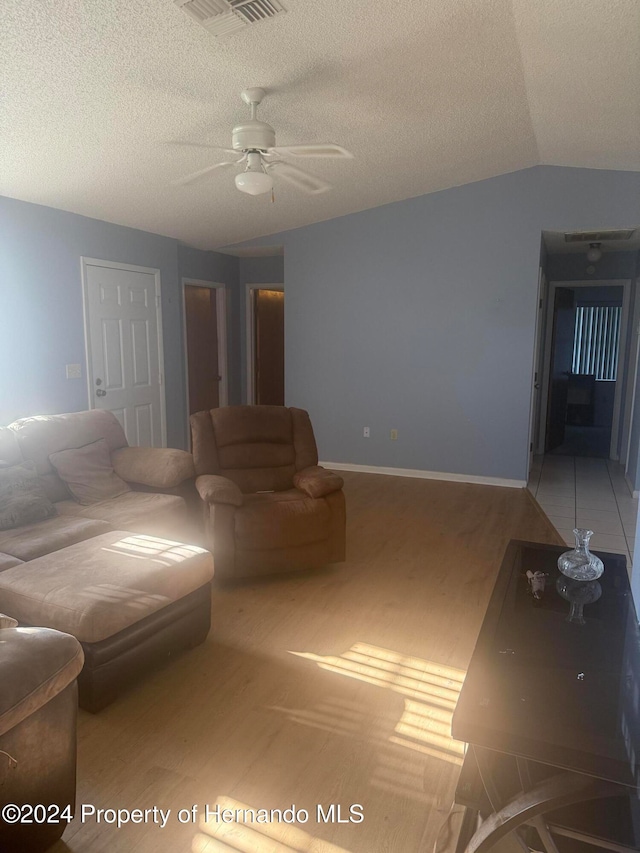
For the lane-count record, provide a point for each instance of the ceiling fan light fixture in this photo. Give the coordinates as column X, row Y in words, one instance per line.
column 254, row 180
column 254, row 183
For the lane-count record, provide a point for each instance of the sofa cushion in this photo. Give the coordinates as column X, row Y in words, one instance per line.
column 34, row 540
column 35, row 666
column 265, row 425
column 159, row 467
column 281, row 520
column 10, row 453
column 21, row 498
column 258, row 447
column 88, row 472
column 97, row 588
column 142, row 512
column 42, row 435
column 8, row 562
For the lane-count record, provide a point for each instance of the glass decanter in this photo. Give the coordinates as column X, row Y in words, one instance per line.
column 580, row 564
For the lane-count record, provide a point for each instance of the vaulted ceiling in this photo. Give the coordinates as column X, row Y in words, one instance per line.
column 98, row 96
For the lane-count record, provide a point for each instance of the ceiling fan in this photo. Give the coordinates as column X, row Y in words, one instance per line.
column 255, row 142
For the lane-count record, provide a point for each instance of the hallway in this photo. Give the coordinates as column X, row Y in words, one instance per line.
column 575, row 491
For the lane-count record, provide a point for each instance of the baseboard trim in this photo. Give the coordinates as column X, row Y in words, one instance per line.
column 426, row 475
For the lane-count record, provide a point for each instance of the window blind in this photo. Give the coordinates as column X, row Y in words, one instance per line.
column 596, row 340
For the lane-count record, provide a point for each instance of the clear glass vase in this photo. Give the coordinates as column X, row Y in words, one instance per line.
column 578, row 594
column 580, row 564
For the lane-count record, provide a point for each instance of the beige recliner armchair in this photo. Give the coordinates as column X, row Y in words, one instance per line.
column 267, row 505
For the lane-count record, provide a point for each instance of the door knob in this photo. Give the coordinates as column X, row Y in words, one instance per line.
column 101, row 393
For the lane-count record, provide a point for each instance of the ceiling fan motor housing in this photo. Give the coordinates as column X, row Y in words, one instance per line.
column 253, row 135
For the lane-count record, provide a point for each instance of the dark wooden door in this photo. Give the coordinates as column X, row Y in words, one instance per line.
column 202, row 347
column 269, row 347
column 564, row 321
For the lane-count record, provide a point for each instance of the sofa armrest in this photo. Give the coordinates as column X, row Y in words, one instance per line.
column 159, row 467
column 214, row 489
column 317, row 482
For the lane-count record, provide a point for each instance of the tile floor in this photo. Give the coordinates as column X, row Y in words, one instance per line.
column 575, row 491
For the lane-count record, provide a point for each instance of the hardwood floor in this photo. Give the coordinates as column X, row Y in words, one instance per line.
column 325, row 687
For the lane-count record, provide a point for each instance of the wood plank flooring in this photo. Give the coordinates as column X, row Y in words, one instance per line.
column 325, row 687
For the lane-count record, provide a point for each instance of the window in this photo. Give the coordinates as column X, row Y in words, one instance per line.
column 595, row 342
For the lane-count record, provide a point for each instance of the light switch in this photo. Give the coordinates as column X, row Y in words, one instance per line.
column 74, row 371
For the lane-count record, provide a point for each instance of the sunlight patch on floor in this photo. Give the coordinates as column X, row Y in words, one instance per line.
column 425, row 725
column 420, row 679
column 418, row 730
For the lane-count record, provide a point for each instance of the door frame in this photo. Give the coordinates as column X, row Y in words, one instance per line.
column 634, row 367
column 536, row 367
column 96, row 262
column 221, row 333
column 249, row 327
column 622, row 378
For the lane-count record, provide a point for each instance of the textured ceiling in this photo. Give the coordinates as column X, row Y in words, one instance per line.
column 97, row 95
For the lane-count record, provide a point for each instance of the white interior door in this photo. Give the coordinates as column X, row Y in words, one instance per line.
column 124, row 347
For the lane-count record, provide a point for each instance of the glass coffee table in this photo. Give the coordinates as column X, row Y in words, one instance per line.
column 550, row 708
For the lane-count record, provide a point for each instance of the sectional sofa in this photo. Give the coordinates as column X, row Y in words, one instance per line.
column 116, row 572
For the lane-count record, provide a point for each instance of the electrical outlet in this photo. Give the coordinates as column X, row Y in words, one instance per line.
column 394, row 435
column 366, row 432
column 74, row 371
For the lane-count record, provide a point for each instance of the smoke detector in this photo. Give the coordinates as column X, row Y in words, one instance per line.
column 224, row 17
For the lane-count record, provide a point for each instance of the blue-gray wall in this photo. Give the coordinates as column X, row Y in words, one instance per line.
column 417, row 316
column 41, row 314
column 420, row 315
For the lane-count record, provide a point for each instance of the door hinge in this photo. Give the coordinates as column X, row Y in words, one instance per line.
column 540, row 304
column 535, row 376
column 531, row 447
column 157, row 300
column 159, row 379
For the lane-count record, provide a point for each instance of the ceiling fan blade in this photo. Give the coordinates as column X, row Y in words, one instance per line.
column 195, row 176
column 301, row 180
column 314, row 149
column 203, row 145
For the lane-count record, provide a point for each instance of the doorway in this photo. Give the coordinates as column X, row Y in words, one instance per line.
column 205, row 339
column 586, row 330
column 123, row 335
column 265, row 344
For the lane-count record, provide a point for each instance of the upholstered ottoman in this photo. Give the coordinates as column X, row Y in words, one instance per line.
column 38, row 710
column 130, row 599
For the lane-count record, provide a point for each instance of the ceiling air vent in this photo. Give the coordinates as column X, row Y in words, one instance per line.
column 598, row 236
column 224, row 17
